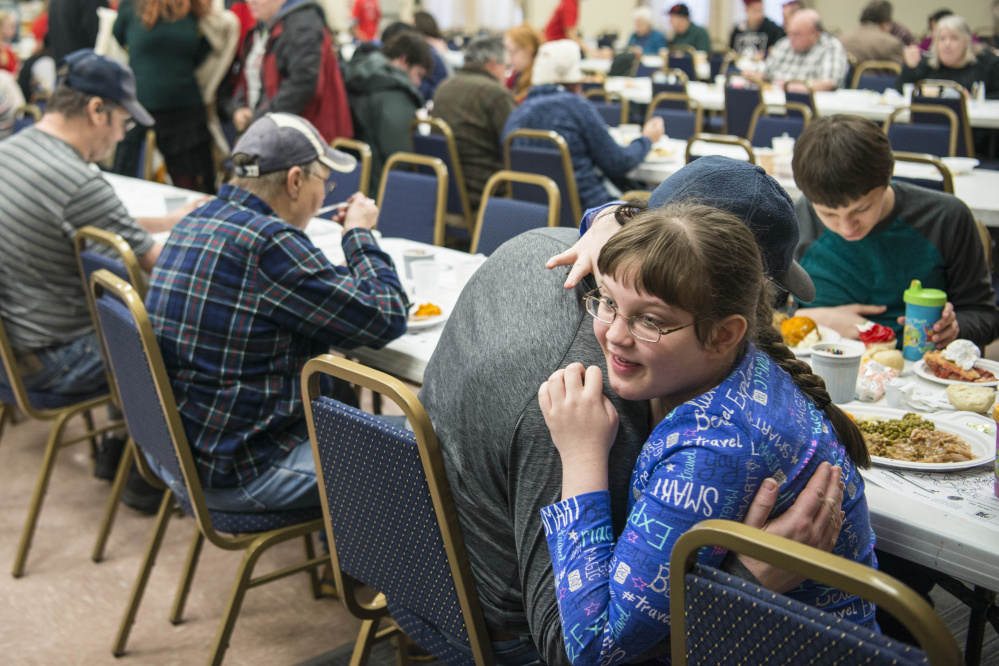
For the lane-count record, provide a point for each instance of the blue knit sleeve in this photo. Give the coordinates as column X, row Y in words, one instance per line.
column 613, row 160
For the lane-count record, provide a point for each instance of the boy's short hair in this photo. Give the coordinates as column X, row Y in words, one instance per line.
column 840, row 158
column 411, row 46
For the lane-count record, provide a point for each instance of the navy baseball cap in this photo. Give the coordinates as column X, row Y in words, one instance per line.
column 746, row 191
column 105, row 78
column 280, row 141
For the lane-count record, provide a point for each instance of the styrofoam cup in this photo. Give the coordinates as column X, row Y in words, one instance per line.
column 838, row 364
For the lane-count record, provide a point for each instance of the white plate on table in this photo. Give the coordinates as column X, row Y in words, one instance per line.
column 958, row 423
column 418, row 324
column 985, row 364
column 960, row 165
column 826, row 334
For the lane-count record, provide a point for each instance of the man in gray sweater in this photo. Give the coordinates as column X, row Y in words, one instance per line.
column 514, row 325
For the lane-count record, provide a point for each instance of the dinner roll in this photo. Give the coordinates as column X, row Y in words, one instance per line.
column 970, row 398
column 891, row 358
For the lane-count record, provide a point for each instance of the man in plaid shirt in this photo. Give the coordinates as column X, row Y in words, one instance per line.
column 807, row 54
column 240, row 299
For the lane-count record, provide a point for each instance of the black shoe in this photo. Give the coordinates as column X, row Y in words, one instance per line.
column 139, row 495
column 108, row 455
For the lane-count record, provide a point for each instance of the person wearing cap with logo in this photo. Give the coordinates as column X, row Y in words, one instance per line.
column 685, row 32
column 498, row 453
column 240, row 299
column 554, row 103
column 49, row 191
column 755, row 35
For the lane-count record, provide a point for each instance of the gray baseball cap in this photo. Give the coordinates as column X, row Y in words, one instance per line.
column 280, row 141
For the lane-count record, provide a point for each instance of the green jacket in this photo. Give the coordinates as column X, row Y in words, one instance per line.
column 383, row 101
column 695, row 36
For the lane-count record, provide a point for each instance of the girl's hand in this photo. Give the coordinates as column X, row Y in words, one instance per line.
column 583, row 424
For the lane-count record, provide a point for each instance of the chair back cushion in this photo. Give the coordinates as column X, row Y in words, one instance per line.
column 922, row 137
column 677, row 88
column 409, row 206
column 92, row 260
column 502, row 219
column 955, row 104
column 685, row 63
column 609, row 111
column 547, row 162
column 739, row 106
column 680, row 124
column 435, row 145
column 385, row 530
column 767, row 127
column 800, row 98
column 346, row 185
column 876, row 82
column 929, row 183
column 726, row 615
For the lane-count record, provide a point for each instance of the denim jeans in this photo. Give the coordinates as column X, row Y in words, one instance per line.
column 290, row 483
column 72, row 369
column 519, row 651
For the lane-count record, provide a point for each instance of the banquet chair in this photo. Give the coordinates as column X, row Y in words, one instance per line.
column 721, row 140
column 773, row 120
column 672, row 81
column 715, row 614
column 642, row 70
column 935, row 138
column 357, row 180
column 680, row 123
column 124, row 264
column 723, row 63
column 945, row 183
column 958, row 104
column 154, row 422
column 636, row 194
column 740, row 102
column 411, row 205
column 439, row 142
column 545, row 153
column 878, row 80
column 682, row 57
column 806, row 98
column 502, row 218
column 612, row 107
column 390, row 520
column 42, row 406
column 26, row 116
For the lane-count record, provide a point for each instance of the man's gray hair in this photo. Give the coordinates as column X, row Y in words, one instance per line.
column 270, row 185
column 484, row 49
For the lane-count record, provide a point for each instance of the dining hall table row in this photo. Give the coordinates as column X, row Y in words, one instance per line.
column 865, row 103
column 936, row 531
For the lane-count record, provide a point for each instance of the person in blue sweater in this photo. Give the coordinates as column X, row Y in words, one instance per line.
column 554, row 103
column 682, row 313
column 646, row 40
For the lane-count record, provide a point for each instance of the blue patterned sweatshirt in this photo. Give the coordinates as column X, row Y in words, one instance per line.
column 552, row 107
column 706, row 459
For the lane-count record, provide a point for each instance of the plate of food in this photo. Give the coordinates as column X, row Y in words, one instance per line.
column 661, row 152
column 935, row 368
column 800, row 333
column 938, row 442
column 426, row 315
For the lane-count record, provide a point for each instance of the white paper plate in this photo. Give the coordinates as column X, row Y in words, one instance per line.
column 959, row 423
column 414, row 324
column 826, row 334
column 960, row 165
column 992, row 366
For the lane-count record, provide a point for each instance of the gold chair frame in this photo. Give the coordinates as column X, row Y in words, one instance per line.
column 608, row 97
column 29, row 110
column 724, row 139
column 563, row 147
column 255, row 544
column 686, row 48
column 755, row 80
column 554, row 198
column 923, row 158
column 729, row 58
column 124, row 252
column 928, row 108
column 874, row 64
column 60, row 417
column 364, row 150
column 440, row 492
column 692, row 105
column 967, row 137
column 440, row 127
column 851, row 577
column 636, row 194
column 678, row 73
column 413, row 160
column 811, row 94
column 765, row 109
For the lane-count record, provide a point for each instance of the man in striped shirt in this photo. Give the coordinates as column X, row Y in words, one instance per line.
column 240, row 299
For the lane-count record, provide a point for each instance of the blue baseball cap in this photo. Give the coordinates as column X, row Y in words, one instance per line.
column 746, row 191
column 105, row 78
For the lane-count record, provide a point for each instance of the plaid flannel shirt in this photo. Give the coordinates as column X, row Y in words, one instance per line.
column 825, row 60
column 240, row 300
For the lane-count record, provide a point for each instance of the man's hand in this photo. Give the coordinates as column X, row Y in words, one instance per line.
column 814, row 519
column 241, row 118
column 946, row 330
column 844, row 319
column 583, row 255
column 360, row 213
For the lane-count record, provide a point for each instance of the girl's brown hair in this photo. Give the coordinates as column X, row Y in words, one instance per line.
column 526, row 37
column 152, row 11
column 705, row 261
